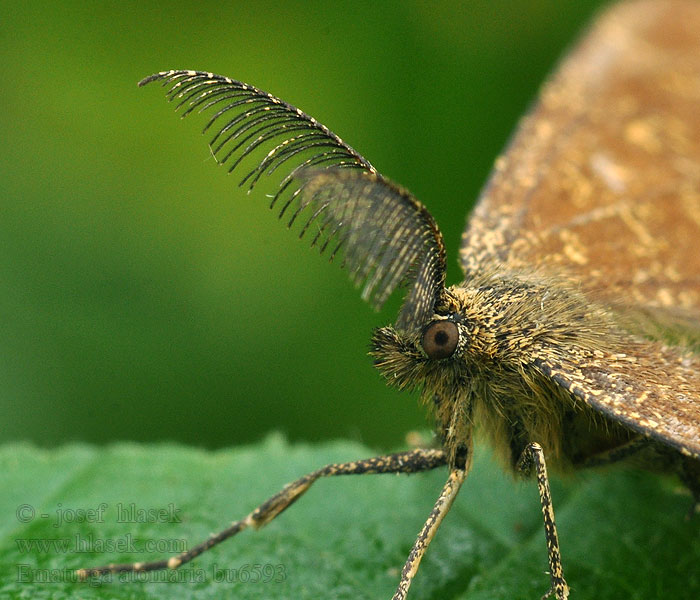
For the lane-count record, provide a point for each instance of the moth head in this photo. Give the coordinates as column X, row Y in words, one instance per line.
column 429, row 357
column 391, row 239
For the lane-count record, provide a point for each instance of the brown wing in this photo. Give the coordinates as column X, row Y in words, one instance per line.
column 602, row 179
column 652, row 389
column 601, row 184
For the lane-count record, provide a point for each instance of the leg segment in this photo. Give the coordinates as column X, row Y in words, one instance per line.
column 402, row 462
column 441, row 508
column 615, row 455
column 689, row 472
column 533, row 456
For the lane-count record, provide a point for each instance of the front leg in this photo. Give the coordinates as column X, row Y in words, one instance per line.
column 413, row 461
column 441, row 508
column 533, row 456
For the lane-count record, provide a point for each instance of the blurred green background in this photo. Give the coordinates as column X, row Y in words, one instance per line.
column 142, row 296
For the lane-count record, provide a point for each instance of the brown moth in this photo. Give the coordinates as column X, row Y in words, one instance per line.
column 571, row 336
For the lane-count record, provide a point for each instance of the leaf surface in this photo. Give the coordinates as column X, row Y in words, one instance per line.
column 623, row 533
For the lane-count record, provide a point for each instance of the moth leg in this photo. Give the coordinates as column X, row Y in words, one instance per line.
column 441, row 508
column 403, row 462
column 533, row 456
column 617, row 454
column 689, row 473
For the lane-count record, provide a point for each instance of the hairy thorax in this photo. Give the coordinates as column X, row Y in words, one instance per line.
column 509, row 325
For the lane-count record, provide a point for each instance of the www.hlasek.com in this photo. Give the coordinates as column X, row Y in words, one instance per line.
column 91, row 544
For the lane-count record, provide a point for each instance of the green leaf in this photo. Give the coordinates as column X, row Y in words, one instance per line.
column 623, row 533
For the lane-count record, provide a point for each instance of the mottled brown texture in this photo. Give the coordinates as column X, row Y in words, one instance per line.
column 601, row 183
column 601, row 187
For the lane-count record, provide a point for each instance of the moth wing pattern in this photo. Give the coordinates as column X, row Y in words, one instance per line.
column 601, row 185
column 335, row 196
column 653, row 390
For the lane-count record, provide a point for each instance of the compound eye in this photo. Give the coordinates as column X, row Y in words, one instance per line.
column 440, row 339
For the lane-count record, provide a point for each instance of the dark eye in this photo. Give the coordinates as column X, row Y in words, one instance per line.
column 440, row 339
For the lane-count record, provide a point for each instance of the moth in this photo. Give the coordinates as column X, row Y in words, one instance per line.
column 570, row 341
